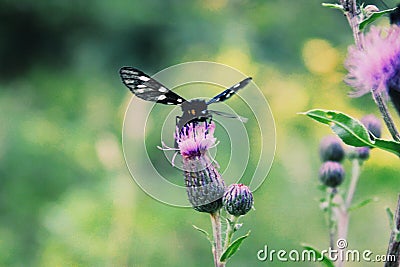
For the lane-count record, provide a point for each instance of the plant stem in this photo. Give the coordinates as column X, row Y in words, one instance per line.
column 386, row 115
column 230, row 230
column 394, row 246
column 351, row 12
column 331, row 225
column 217, row 241
column 355, row 174
column 342, row 212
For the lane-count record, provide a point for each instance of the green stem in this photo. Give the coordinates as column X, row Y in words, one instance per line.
column 217, row 241
column 230, row 229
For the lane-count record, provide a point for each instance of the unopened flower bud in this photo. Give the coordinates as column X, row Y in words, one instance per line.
column 237, row 199
column 331, row 173
column 370, row 9
column 372, row 124
column 362, row 152
column 331, row 149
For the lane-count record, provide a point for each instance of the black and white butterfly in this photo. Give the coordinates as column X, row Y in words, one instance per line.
column 145, row 87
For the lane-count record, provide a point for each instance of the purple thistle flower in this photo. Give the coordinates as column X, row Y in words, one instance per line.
column 204, row 185
column 195, row 138
column 376, row 66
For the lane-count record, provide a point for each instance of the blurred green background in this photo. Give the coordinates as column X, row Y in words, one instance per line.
column 66, row 196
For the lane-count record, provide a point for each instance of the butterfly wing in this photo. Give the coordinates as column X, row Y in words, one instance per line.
column 229, row 92
column 145, row 87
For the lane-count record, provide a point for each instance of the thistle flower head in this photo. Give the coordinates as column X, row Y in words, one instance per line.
column 195, row 138
column 237, row 199
column 377, row 65
column 331, row 149
column 204, row 185
column 331, row 173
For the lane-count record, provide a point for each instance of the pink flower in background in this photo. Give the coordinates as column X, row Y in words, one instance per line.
column 377, row 65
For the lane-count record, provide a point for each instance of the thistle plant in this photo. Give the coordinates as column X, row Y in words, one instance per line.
column 373, row 65
column 206, row 189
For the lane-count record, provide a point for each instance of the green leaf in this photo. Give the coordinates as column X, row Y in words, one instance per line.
column 233, row 248
column 393, row 224
column 318, row 255
column 351, row 131
column 207, row 235
column 374, row 16
column 334, row 6
column 362, row 204
column 390, row 217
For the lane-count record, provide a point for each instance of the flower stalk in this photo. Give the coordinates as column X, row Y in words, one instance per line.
column 217, row 238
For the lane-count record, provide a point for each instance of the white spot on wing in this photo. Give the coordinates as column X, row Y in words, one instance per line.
column 228, row 95
column 161, row 97
column 141, row 86
column 144, row 78
column 127, row 81
column 179, row 100
column 163, row 90
column 236, row 85
column 140, row 91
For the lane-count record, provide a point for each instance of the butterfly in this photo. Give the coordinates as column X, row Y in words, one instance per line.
column 147, row 88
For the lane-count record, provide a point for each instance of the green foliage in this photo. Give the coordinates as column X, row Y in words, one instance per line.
column 233, row 248
column 334, row 6
column 361, row 204
column 351, row 131
column 326, row 261
column 204, row 232
column 374, row 16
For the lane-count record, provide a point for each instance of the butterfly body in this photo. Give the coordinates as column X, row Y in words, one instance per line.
column 147, row 88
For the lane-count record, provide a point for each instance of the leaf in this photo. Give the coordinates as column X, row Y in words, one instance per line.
column 334, row 6
column 318, row 254
column 362, row 204
column 374, row 16
column 351, row 131
column 207, row 235
column 390, row 217
column 233, row 248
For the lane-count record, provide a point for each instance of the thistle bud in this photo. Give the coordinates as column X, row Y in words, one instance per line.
column 362, row 152
column 331, row 173
column 331, row 149
column 370, row 9
column 372, row 124
column 237, row 199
